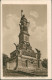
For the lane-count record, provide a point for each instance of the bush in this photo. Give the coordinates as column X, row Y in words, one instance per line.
column 44, row 63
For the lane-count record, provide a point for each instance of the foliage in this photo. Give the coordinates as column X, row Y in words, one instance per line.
column 45, row 63
column 5, row 59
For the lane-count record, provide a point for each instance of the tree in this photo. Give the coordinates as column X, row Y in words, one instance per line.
column 45, row 63
column 5, row 59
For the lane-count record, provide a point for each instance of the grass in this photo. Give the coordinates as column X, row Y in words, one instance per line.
column 9, row 73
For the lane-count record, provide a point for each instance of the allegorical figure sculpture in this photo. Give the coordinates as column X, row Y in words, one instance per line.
column 38, row 53
column 23, row 22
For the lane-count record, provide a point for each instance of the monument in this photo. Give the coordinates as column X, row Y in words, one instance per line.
column 24, row 58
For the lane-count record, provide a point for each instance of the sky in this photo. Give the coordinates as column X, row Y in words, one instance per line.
column 36, row 15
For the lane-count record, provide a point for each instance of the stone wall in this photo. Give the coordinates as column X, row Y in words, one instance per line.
column 22, row 62
column 27, row 63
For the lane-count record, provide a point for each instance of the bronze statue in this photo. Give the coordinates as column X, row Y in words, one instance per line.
column 38, row 53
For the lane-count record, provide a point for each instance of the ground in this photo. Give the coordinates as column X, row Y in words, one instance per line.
column 12, row 73
column 9, row 73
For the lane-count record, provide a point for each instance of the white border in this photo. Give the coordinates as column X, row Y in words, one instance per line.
column 48, row 2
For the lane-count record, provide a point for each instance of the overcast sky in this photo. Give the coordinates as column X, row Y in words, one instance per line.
column 36, row 15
